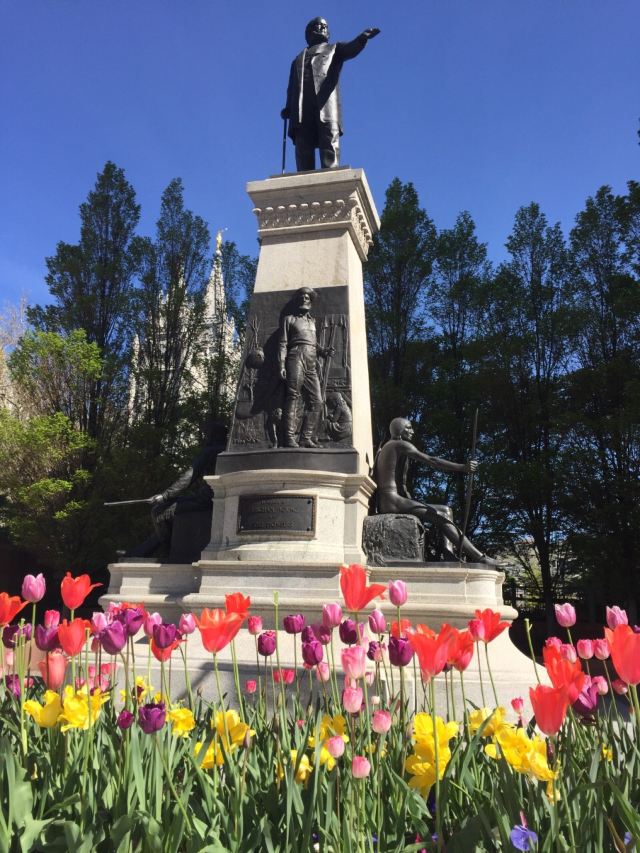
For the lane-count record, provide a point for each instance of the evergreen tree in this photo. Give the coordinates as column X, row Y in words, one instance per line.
column 91, row 283
column 602, row 496
column 396, row 275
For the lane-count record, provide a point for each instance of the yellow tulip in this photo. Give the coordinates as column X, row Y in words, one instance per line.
column 182, row 721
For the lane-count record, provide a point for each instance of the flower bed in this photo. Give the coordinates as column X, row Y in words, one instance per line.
column 87, row 767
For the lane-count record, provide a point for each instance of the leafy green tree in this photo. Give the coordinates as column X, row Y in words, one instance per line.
column 602, row 496
column 52, row 373
column 91, row 283
column 396, row 274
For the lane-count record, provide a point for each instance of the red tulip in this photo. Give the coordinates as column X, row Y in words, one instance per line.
column 356, row 593
column 491, row 628
column 10, row 606
column 431, row 651
column 549, row 707
column 163, row 653
column 564, row 673
column 398, row 629
column 218, row 628
column 461, row 651
column 73, row 635
column 237, row 603
column 75, row 590
column 625, row 652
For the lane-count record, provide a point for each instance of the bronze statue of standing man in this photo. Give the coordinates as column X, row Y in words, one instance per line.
column 313, row 97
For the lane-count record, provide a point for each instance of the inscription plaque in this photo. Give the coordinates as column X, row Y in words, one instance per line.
column 293, row 515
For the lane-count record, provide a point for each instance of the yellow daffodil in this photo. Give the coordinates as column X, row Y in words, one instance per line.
column 143, row 689
column 423, row 774
column 182, row 721
column 229, row 723
column 45, row 715
column 80, row 709
column 212, row 756
column 304, row 769
column 525, row 755
column 495, row 720
column 422, row 764
column 607, row 753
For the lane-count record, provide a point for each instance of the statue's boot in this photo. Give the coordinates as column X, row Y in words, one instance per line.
column 309, row 429
column 469, row 550
column 289, row 425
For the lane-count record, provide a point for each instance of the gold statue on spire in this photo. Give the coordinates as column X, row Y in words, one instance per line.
column 219, row 241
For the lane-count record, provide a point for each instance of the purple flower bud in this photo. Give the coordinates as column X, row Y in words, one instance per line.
column 152, row 717
column 46, row 638
column 165, row 635
column 125, row 719
column 348, row 631
column 113, row 638
column 13, row 684
column 293, row 624
column 11, row 634
column 34, row 588
column 312, row 652
column 267, row 643
column 400, row 651
column 308, row 634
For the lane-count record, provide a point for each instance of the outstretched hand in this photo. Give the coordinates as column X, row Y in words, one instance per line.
column 372, row 32
column 471, row 466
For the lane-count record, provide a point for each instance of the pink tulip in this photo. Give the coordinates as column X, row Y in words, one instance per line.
column 565, row 615
column 335, row 746
column 377, row 622
column 360, row 767
column 354, row 661
column 518, row 705
column 619, row 687
column 616, row 616
column 150, row 621
column 381, row 722
column 397, row 593
column 554, row 642
column 99, row 622
column 250, row 685
column 569, row 652
column 34, row 588
column 369, row 678
column 323, row 672
column 585, row 649
column 254, row 625
column 51, row 618
column 331, row 615
column 187, row 624
column 52, row 669
column 352, row 699
column 601, row 649
column 600, row 684
column 476, row 629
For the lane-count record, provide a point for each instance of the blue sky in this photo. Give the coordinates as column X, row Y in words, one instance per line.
column 485, row 105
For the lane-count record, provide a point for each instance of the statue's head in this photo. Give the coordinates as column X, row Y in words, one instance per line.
column 401, row 428
column 317, row 31
column 304, row 298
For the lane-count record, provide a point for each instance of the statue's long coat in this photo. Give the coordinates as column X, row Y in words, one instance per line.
column 326, row 65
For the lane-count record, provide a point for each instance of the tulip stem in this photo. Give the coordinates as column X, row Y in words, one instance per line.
column 493, row 686
column 484, row 701
column 636, row 705
column 167, row 773
column 527, row 628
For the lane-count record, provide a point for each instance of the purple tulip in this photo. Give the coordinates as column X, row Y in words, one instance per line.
column 377, row 622
column 125, row 719
column 400, row 651
column 132, row 619
column 293, row 624
column 312, row 652
column 375, row 650
column 46, row 638
column 99, row 621
column 165, row 635
column 397, row 593
column 113, row 638
column 11, row 635
column 150, row 620
column 587, row 701
column 34, row 588
column 565, row 615
column 322, row 633
column 348, row 631
column 12, row 683
column 152, row 717
column 267, row 643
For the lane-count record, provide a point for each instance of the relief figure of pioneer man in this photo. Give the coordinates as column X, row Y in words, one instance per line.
column 298, row 359
column 390, row 474
column 313, row 97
